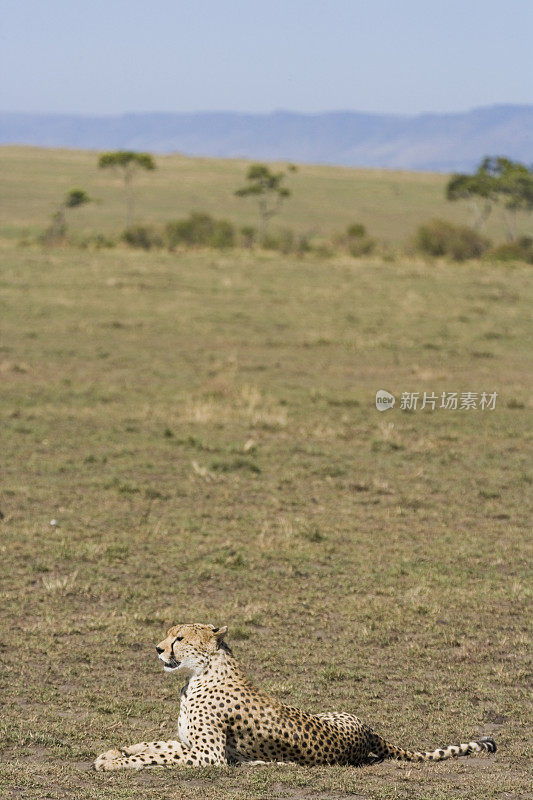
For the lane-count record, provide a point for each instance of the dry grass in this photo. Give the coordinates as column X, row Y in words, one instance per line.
column 203, row 431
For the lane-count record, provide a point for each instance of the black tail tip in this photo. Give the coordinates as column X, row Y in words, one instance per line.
column 488, row 744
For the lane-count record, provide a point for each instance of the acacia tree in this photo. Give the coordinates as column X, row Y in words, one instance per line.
column 58, row 226
column 477, row 190
column 497, row 180
column 514, row 188
column 127, row 162
column 266, row 187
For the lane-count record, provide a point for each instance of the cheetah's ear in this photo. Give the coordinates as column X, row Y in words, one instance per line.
column 220, row 632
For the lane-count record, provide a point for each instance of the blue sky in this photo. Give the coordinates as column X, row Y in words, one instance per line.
column 404, row 56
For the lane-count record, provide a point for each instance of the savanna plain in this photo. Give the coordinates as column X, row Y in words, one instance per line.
column 192, row 436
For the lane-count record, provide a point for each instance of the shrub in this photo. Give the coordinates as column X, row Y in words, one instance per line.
column 248, row 236
column 200, row 230
column 355, row 240
column 438, row 237
column 521, row 250
column 142, row 236
column 76, row 197
column 195, row 230
column 286, row 241
column 56, row 231
column 322, row 249
column 283, row 241
column 356, row 231
column 223, row 234
column 303, row 244
column 361, row 247
column 97, row 240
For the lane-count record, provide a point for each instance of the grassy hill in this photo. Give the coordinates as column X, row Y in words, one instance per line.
column 391, row 204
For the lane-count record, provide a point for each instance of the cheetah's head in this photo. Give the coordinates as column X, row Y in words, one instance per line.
column 187, row 648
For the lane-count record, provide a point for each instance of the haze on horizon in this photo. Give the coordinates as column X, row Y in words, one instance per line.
column 385, row 57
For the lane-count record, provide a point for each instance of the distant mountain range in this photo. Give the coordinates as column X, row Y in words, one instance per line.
column 437, row 142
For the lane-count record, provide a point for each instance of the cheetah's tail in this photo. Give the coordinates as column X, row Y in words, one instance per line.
column 382, row 749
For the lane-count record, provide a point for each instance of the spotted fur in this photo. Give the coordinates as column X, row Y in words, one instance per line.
column 223, row 719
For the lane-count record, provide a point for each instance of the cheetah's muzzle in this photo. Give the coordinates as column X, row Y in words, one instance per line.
column 171, row 665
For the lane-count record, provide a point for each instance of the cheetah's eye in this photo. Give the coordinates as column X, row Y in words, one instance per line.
column 178, row 638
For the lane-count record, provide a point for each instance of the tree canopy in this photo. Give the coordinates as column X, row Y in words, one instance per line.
column 497, row 180
column 126, row 160
column 76, row 197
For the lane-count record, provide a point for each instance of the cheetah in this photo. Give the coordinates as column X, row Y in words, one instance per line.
column 223, row 719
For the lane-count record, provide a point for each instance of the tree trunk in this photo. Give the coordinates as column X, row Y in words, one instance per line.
column 129, row 199
column 263, row 219
column 477, row 216
column 509, row 217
